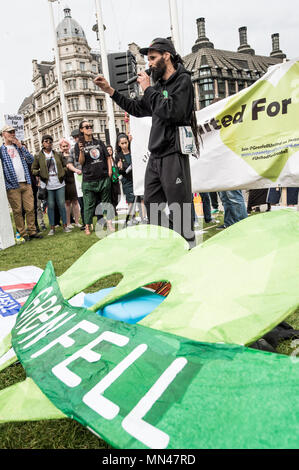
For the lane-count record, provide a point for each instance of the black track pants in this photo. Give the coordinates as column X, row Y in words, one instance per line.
column 168, row 180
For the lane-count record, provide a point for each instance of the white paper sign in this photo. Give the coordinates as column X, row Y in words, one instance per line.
column 16, row 121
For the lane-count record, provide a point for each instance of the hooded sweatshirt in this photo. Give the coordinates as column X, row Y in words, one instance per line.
column 170, row 103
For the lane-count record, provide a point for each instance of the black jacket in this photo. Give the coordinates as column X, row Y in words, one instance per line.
column 168, row 112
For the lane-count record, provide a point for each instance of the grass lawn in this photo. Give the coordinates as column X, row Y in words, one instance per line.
column 63, row 249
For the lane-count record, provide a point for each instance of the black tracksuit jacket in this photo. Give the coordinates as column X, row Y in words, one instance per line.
column 168, row 112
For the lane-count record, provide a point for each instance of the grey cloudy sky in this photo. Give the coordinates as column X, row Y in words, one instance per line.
column 26, row 32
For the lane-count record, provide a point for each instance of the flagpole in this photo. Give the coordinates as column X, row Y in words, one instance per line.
column 59, row 75
column 102, row 44
column 175, row 30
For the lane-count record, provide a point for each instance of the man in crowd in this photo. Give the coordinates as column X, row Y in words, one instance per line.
column 234, row 207
column 16, row 161
column 170, row 102
column 74, row 165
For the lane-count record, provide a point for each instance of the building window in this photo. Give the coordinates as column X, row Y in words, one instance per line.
column 73, row 104
column 102, row 126
column 231, row 87
column 68, row 66
column 123, row 126
column 94, row 68
column 100, row 105
column 241, row 85
column 85, row 83
column 71, row 84
column 74, row 125
column 204, row 71
column 88, row 102
column 82, row 66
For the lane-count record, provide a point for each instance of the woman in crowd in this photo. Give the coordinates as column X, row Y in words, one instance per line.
column 51, row 168
column 124, row 163
column 97, row 171
column 71, row 198
column 115, row 186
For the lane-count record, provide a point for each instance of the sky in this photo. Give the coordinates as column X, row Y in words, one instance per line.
column 26, row 31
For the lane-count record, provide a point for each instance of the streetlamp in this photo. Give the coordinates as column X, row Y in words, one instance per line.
column 59, row 75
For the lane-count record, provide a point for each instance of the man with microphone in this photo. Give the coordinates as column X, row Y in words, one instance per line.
column 170, row 102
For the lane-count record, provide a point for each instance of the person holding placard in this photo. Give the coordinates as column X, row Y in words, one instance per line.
column 16, row 160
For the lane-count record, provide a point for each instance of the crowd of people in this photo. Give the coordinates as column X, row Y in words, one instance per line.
column 83, row 180
column 76, row 180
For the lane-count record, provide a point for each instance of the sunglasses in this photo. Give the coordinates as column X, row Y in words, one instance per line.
column 11, row 132
column 48, row 141
column 87, row 127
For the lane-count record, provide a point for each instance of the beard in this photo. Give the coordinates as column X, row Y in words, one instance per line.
column 159, row 70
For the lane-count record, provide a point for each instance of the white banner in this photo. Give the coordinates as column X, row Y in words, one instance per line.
column 250, row 140
column 16, row 121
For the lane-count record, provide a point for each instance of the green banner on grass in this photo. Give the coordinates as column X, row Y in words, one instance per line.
column 142, row 388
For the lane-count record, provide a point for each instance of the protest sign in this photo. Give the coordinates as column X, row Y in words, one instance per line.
column 17, row 121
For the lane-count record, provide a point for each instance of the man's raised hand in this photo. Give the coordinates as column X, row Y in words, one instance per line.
column 102, row 83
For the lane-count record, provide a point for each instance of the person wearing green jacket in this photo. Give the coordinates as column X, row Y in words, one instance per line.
column 50, row 167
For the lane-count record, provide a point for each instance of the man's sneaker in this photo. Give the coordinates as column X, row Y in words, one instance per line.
column 82, row 228
column 52, row 232
column 43, row 227
column 70, row 227
column 132, row 222
column 215, row 211
column 78, row 225
column 66, row 230
column 221, row 227
column 214, row 221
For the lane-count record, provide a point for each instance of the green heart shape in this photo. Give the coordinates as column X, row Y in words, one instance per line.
column 266, row 134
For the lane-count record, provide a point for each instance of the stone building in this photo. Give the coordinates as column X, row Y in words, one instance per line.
column 217, row 73
column 84, row 100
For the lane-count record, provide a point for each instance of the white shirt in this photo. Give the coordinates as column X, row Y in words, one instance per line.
column 17, row 163
column 53, row 182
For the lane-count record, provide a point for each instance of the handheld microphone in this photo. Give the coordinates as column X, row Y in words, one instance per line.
column 134, row 79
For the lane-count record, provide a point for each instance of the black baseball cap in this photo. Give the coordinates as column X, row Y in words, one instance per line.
column 47, row 137
column 75, row 133
column 160, row 45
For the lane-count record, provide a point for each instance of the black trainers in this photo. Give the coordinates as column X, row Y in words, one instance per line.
column 35, row 235
column 221, row 227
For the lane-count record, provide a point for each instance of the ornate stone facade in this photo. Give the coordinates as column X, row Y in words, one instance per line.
column 84, row 100
column 217, row 73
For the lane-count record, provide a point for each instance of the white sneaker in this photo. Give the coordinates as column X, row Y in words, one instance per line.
column 52, row 232
column 78, row 225
column 66, row 230
column 70, row 227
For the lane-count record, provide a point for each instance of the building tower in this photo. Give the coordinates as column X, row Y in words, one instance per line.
column 79, row 66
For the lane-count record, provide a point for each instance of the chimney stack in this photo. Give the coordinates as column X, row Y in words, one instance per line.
column 244, row 46
column 201, row 41
column 276, row 52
